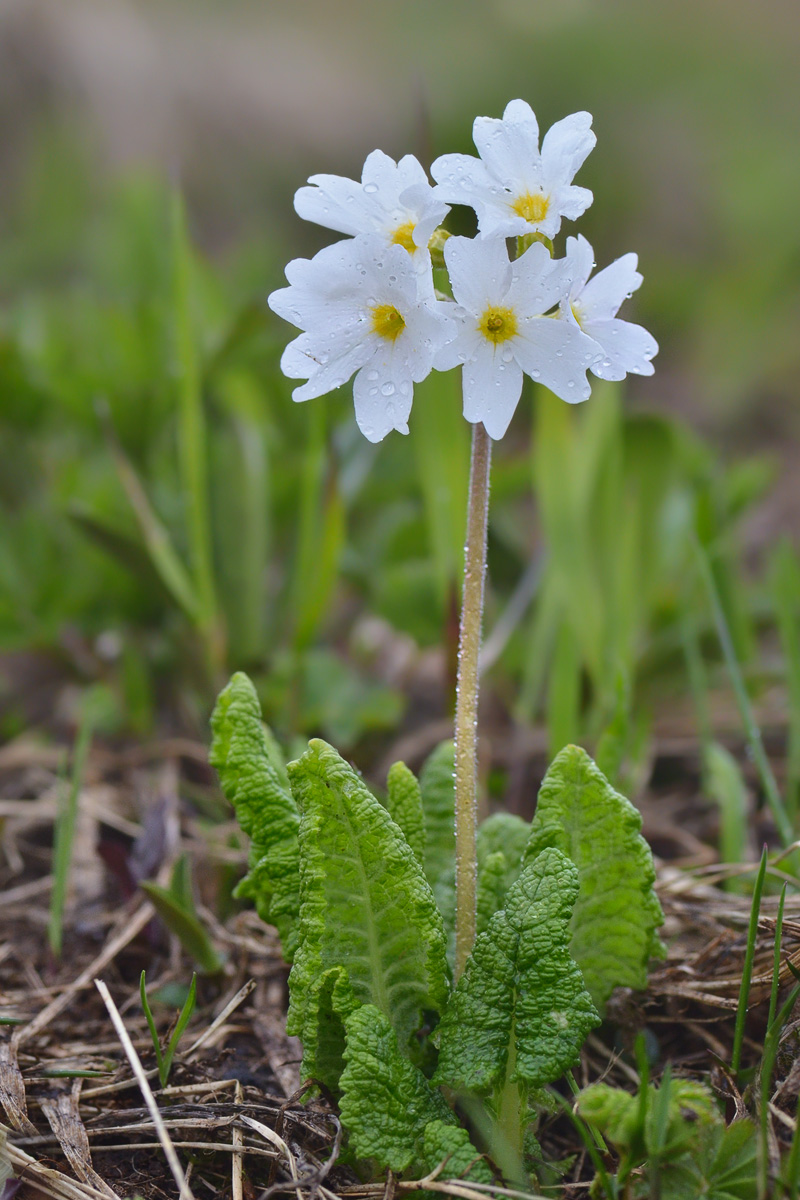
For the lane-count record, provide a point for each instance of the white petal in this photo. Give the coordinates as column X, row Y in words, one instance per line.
column 463, row 179
column 510, row 148
column 382, row 396
column 571, row 202
column 480, row 271
column 605, row 292
column 581, row 259
column 539, row 282
column 428, row 327
column 337, row 203
column 627, row 347
column 557, row 354
column 463, row 346
column 565, row 147
column 492, row 385
column 298, row 360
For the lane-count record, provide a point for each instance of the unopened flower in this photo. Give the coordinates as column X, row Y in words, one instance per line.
column 592, row 305
column 503, row 332
column 514, row 188
column 358, row 305
column 394, row 200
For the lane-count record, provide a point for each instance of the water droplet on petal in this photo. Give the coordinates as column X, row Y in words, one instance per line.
column 370, row 188
column 373, row 391
column 571, row 383
column 387, row 388
column 535, row 374
column 372, row 375
column 559, row 353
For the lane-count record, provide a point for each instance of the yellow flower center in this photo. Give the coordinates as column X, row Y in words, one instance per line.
column 387, row 322
column 404, row 236
column 531, row 208
column 498, row 324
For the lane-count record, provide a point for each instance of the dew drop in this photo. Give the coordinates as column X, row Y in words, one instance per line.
column 370, row 188
column 387, row 388
column 372, row 375
column 571, row 383
column 373, row 391
column 535, row 374
column 559, row 353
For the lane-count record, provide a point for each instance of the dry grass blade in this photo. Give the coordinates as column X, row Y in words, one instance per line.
column 12, row 1089
column 149, row 1098
column 230, row 1007
column 65, row 1121
column 50, row 1182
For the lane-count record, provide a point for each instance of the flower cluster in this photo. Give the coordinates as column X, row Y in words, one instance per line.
column 367, row 306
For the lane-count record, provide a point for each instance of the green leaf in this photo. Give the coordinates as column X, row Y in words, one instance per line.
column 187, row 927
column 520, row 1011
column 404, row 804
column 451, row 1142
column 242, row 755
column 366, row 906
column 437, row 785
column 502, row 839
column 387, row 1103
column 617, row 911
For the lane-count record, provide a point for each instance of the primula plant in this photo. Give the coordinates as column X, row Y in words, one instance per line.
column 441, row 971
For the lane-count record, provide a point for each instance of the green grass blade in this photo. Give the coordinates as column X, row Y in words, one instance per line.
column 771, row 1044
column 785, row 585
column 163, row 555
column 747, row 972
column 192, row 432
column 64, row 834
column 752, row 731
column 320, row 535
column 724, row 782
column 564, row 692
column 776, row 959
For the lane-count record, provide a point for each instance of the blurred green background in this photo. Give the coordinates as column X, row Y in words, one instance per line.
column 167, row 513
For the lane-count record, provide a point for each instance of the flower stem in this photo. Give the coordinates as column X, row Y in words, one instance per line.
column 466, row 727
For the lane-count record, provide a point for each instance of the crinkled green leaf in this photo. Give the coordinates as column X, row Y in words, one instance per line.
column 386, row 1103
column 617, row 911
column 502, row 839
column 365, row 906
column 266, row 811
column 404, row 804
column 451, row 1142
column 520, row 1011
column 437, row 785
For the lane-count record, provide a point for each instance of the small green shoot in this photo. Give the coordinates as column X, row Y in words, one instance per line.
column 747, row 972
column 64, row 832
column 164, row 1060
column 175, row 906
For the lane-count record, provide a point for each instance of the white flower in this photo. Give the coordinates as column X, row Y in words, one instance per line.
column 513, row 187
column 393, row 199
column 357, row 302
column 593, row 305
column 503, row 332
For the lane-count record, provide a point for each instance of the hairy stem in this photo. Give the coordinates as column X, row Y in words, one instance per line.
column 466, row 726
